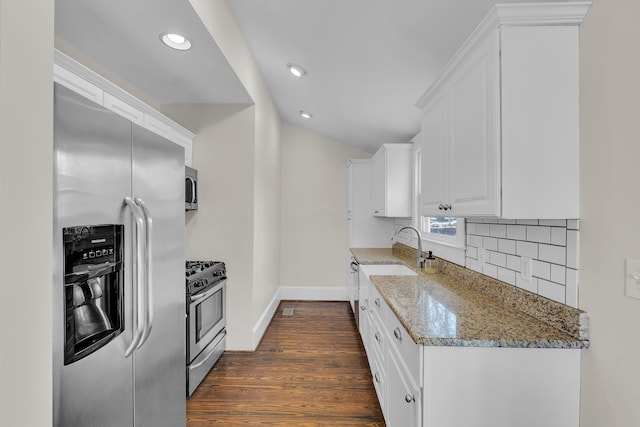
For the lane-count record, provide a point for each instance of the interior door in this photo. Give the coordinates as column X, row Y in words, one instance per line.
column 92, row 174
column 160, row 364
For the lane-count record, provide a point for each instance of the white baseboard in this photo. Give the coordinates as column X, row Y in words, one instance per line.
column 294, row 293
column 313, row 293
column 262, row 323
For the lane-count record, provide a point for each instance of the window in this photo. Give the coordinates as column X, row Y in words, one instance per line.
column 443, row 226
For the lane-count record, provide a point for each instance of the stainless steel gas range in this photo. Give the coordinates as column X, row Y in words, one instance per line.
column 206, row 318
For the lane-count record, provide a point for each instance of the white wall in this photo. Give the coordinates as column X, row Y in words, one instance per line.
column 26, row 126
column 314, row 208
column 222, row 227
column 610, row 195
column 265, row 163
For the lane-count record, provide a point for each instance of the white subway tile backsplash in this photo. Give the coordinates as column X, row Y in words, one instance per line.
column 573, row 224
column 472, row 252
column 553, row 254
column 483, row 229
column 572, row 288
column 551, row 290
column 558, row 274
column 507, row 246
column 541, row 269
column 490, row 270
column 471, row 227
column 498, row 230
column 498, row 259
column 559, row 236
column 513, row 263
column 474, row 241
column 508, row 276
column 572, row 248
column 527, row 221
column 527, row 249
column 538, row 234
column 552, row 244
column 531, row 286
column 490, row 243
column 517, row 232
column 554, row 222
column 472, row 264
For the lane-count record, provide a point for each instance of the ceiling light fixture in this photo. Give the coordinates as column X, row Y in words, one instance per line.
column 305, row 115
column 176, row 41
column 296, row 70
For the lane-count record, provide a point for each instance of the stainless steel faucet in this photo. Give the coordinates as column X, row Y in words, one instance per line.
column 419, row 260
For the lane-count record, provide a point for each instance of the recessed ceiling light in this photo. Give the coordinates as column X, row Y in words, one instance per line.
column 305, row 115
column 176, row 41
column 296, row 70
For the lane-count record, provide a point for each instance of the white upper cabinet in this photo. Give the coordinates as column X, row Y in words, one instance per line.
column 85, row 82
column 391, row 174
column 500, row 125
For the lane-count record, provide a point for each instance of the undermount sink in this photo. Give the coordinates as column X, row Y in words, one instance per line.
column 387, row 270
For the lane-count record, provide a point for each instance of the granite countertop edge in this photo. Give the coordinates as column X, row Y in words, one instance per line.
column 378, row 256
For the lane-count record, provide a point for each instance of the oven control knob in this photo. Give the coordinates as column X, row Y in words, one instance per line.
column 206, row 281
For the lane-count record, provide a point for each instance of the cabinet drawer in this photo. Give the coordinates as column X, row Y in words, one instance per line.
column 378, row 338
column 377, row 303
column 400, row 339
column 378, row 381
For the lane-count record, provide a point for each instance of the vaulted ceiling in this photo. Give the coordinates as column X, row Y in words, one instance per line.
column 367, row 61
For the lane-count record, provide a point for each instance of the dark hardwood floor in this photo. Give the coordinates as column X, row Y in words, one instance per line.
column 309, row 370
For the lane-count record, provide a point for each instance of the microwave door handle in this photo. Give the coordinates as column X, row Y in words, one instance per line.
column 148, row 279
column 137, row 276
column 192, row 195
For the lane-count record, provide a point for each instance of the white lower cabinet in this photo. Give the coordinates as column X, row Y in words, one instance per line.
column 441, row 386
column 395, row 361
column 404, row 397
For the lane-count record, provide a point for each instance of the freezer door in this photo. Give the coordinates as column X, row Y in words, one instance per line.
column 160, row 364
column 92, row 174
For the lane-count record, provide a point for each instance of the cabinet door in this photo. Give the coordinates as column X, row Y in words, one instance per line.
column 379, row 184
column 474, row 140
column 403, row 400
column 433, row 170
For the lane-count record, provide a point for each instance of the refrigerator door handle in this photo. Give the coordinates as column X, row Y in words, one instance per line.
column 138, row 277
column 148, row 282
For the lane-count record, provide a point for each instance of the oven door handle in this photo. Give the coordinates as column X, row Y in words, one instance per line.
column 148, row 279
column 138, row 276
column 208, row 293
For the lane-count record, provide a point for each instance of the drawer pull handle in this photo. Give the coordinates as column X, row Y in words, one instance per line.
column 377, row 335
column 377, row 378
column 378, row 302
column 363, row 308
column 397, row 334
column 409, row 398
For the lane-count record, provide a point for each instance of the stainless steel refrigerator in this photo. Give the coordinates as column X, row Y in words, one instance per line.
column 118, row 280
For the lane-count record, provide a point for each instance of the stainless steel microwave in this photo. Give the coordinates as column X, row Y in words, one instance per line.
column 190, row 189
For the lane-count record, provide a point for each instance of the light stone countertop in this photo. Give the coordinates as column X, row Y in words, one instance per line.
column 452, row 310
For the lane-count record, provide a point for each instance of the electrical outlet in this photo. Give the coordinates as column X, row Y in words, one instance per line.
column 525, row 268
column 632, row 281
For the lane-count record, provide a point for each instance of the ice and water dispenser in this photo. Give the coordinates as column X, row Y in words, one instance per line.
column 93, row 288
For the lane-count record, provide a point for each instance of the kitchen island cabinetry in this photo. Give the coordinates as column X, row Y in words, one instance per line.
column 391, row 172
column 502, row 119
